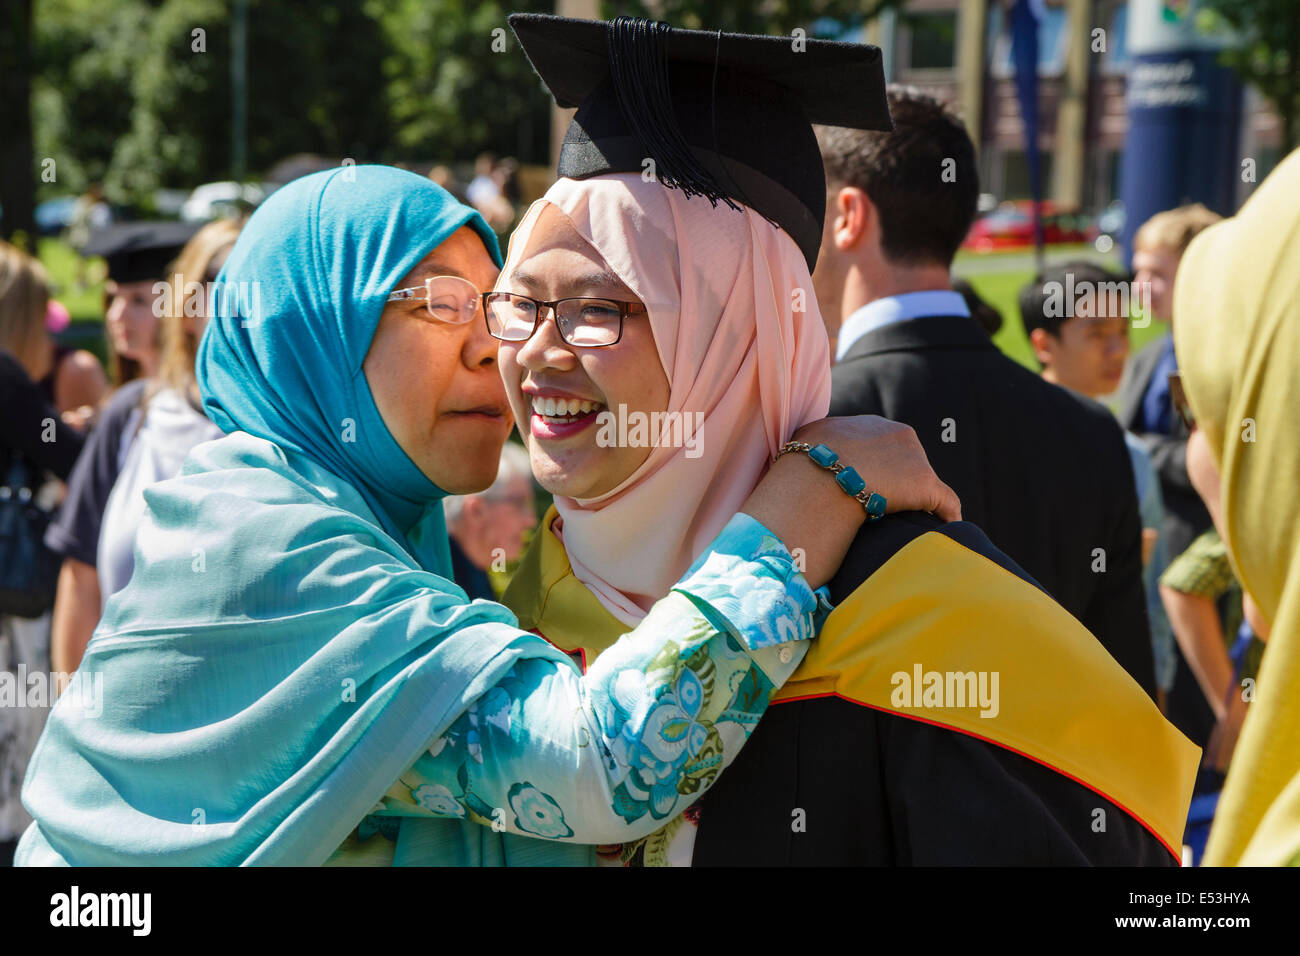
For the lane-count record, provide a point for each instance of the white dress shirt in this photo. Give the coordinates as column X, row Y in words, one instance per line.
column 895, row 308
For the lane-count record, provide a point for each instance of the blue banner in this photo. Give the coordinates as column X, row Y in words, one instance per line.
column 1184, row 115
column 1024, row 58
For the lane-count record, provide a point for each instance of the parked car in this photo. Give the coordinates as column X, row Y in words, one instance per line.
column 54, row 215
column 212, row 200
column 1011, row 226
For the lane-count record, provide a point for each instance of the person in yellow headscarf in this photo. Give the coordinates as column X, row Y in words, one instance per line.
column 1237, row 336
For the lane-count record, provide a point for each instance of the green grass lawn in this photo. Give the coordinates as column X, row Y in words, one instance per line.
column 84, row 302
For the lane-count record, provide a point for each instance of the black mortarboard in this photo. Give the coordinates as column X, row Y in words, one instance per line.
column 723, row 115
column 140, row 251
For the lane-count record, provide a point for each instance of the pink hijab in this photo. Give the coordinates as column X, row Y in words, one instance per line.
column 741, row 340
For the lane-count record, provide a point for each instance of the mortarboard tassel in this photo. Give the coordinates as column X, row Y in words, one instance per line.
column 639, row 70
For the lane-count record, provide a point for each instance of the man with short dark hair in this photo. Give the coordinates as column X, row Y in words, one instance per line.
column 923, row 170
column 1076, row 316
column 1045, row 473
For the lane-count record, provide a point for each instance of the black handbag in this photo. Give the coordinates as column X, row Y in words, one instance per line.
column 29, row 571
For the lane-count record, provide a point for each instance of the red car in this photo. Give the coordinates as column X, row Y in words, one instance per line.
column 1011, row 226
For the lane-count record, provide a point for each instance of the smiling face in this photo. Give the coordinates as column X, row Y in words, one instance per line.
column 436, row 385
column 544, row 371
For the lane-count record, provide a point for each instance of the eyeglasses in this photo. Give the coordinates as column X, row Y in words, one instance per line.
column 583, row 322
column 448, row 299
column 1178, row 397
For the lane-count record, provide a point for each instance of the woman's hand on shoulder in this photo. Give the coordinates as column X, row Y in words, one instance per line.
column 802, row 504
column 889, row 457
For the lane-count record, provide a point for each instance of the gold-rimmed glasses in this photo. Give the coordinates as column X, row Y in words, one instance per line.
column 448, row 299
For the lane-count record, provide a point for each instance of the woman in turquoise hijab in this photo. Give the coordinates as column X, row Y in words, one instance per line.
column 290, row 645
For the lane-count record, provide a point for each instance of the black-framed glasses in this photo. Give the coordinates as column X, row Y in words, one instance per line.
column 582, row 321
column 448, row 299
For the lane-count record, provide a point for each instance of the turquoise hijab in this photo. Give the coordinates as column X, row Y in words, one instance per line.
column 289, row 642
column 298, row 302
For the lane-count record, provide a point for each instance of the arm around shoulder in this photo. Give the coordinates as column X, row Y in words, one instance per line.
column 610, row 756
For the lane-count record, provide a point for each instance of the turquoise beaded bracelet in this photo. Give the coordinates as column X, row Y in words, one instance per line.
column 847, row 478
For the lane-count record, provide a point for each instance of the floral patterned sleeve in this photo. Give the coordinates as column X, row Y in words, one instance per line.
column 608, row 756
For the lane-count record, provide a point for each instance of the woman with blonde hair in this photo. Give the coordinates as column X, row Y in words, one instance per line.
column 72, row 379
column 194, row 276
column 143, row 437
column 25, row 292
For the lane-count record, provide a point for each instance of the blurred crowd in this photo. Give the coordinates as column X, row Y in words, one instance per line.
column 494, row 189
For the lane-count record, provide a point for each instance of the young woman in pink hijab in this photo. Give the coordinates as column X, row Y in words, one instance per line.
column 649, row 417
column 660, row 348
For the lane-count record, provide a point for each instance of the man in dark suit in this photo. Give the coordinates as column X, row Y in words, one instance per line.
column 1045, row 473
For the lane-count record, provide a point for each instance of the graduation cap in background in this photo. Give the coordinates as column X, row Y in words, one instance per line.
column 725, row 116
column 140, row 251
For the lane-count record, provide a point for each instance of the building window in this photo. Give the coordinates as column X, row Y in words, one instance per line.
column 932, row 40
column 1014, row 173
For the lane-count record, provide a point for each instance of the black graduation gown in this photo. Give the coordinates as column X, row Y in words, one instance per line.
column 831, row 782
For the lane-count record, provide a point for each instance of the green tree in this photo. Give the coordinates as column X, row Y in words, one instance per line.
column 314, row 84
column 85, row 56
column 1269, row 54
column 458, row 83
column 127, row 92
column 179, row 127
